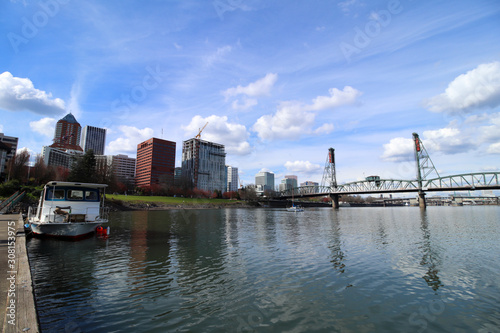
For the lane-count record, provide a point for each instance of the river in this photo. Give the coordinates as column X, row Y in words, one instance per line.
column 396, row 269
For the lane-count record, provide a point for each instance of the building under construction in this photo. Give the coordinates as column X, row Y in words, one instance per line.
column 204, row 164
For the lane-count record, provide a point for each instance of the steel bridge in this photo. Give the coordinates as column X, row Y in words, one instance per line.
column 374, row 185
column 462, row 182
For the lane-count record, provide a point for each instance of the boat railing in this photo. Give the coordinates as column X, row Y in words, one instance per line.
column 70, row 214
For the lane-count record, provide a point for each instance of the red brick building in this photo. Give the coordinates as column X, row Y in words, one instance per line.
column 67, row 134
column 155, row 162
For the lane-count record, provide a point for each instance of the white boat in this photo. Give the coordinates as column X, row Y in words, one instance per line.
column 295, row 209
column 68, row 210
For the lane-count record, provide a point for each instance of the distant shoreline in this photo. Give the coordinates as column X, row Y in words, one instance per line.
column 144, row 204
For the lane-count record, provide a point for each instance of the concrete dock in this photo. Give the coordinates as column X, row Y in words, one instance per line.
column 17, row 301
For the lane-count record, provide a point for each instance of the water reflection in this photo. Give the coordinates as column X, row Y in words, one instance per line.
column 430, row 258
column 267, row 270
column 337, row 255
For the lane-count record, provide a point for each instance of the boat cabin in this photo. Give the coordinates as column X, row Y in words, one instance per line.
column 71, row 202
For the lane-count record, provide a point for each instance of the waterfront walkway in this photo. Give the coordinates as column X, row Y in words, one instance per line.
column 17, row 303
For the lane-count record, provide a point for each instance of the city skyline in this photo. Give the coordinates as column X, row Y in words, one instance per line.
column 278, row 83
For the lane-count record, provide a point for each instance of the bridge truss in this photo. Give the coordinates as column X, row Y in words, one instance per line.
column 461, row 182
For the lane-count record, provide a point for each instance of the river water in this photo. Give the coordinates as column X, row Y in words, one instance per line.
column 267, row 270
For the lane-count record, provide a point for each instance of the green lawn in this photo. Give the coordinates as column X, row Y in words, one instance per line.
column 169, row 200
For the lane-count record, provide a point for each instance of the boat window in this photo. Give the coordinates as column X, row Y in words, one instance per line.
column 91, row 195
column 75, row 195
column 55, row 194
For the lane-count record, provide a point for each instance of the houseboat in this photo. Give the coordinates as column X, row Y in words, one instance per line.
column 68, row 210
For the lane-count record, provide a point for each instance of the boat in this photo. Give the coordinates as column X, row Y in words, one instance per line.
column 295, row 209
column 68, row 210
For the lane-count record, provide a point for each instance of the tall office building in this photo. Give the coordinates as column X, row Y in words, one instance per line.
column 264, row 181
column 204, row 163
column 93, row 138
column 67, row 134
column 232, row 178
column 8, row 148
column 288, row 183
column 155, row 160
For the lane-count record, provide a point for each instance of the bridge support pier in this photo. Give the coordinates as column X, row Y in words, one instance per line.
column 335, row 201
column 421, row 200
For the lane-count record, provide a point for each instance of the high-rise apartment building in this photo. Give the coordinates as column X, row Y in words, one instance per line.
column 121, row 166
column 264, row 181
column 155, row 160
column 8, row 148
column 93, row 138
column 204, row 164
column 232, row 178
column 59, row 157
column 67, row 134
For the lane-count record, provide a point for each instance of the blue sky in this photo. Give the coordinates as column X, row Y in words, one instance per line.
column 279, row 82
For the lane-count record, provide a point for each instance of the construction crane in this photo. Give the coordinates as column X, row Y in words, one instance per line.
column 198, row 136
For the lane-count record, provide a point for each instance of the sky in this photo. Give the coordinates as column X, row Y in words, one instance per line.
column 279, row 82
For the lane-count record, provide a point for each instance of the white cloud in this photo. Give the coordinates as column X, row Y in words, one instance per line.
column 494, row 148
column 398, row 150
column 302, row 166
column 218, row 55
column 324, row 129
column 246, row 104
column 478, row 88
column 447, row 140
column 131, row 137
column 294, row 119
column 291, row 121
column 337, row 98
column 44, row 126
column 1, row 128
column 233, row 136
column 258, row 88
column 491, row 132
column 18, row 94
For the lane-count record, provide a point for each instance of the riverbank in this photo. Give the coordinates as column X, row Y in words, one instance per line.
column 129, row 202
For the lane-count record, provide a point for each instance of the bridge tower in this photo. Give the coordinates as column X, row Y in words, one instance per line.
column 424, row 167
column 330, row 177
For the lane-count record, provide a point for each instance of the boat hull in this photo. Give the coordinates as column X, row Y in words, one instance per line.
column 64, row 230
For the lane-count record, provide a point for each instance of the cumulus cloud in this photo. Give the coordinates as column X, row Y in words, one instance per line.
column 337, row 98
column 494, row 148
column 44, row 126
column 258, row 88
column 324, row 129
column 131, row 137
column 294, row 119
column 448, row 141
column 478, row 88
column 233, row 136
column 19, row 94
column 302, row 166
column 491, row 132
column 398, row 150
